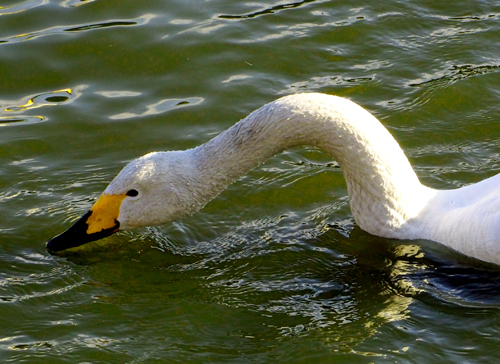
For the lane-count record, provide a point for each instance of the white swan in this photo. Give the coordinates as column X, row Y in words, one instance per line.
column 386, row 197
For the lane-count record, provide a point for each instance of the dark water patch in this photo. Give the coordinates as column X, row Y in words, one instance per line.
column 142, row 20
column 321, row 82
column 271, row 10
column 57, row 98
column 454, row 74
column 33, row 346
column 451, row 284
column 6, row 121
column 474, row 17
column 101, row 25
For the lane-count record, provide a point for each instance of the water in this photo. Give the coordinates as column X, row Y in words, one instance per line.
column 275, row 269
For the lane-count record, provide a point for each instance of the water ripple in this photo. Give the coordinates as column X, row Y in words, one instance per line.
column 160, row 107
column 75, row 3
column 17, row 120
column 271, row 10
column 31, row 4
column 61, row 29
column 12, row 112
column 23, row 6
column 454, row 74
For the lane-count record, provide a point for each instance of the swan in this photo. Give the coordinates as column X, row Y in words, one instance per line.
column 386, row 196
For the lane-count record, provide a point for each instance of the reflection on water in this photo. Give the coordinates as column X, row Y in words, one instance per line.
column 160, row 107
column 142, row 20
column 14, row 110
column 5, row 120
column 21, row 6
column 46, row 99
column 271, row 10
column 310, row 288
column 305, row 290
column 455, row 74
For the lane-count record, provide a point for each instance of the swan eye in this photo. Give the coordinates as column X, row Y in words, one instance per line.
column 132, row 193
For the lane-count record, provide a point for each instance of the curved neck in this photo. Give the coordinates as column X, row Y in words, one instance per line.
column 383, row 188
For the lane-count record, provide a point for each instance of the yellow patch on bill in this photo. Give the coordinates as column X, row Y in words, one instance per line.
column 105, row 213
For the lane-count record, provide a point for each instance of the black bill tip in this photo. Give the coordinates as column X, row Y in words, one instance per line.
column 77, row 235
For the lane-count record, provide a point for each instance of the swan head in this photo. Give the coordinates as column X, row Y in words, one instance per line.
column 151, row 190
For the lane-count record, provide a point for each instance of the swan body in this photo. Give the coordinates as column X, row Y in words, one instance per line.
column 386, row 197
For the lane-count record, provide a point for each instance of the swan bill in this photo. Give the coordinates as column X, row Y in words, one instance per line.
column 77, row 235
column 101, row 221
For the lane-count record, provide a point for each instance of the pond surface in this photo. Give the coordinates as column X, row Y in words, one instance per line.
column 274, row 270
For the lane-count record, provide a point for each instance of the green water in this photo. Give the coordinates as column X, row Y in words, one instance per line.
column 274, row 270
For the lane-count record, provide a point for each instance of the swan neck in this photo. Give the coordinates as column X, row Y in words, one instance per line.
column 383, row 188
